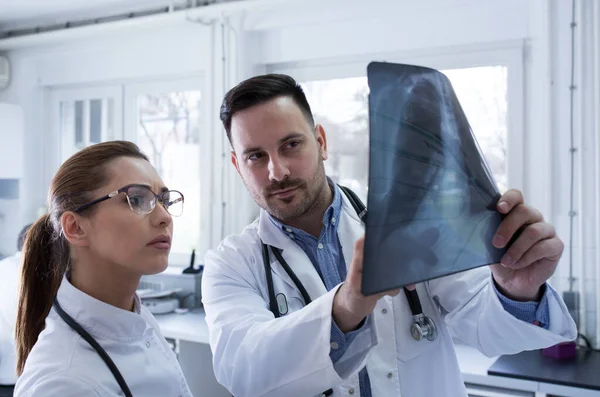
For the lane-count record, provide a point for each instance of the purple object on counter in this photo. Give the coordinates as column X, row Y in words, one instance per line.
column 562, row 351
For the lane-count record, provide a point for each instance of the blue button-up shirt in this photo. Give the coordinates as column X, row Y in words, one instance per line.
column 326, row 255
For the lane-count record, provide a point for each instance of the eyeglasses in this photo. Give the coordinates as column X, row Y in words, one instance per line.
column 142, row 200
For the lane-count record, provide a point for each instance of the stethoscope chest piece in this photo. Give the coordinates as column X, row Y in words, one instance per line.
column 423, row 327
column 282, row 305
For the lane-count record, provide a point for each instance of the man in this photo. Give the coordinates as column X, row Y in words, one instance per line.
column 344, row 341
column 9, row 290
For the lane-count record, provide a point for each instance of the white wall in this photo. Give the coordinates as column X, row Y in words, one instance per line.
column 314, row 33
column 24, row 92
column 381, row 27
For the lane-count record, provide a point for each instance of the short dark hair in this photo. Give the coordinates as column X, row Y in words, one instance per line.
column 260, row 89
column 22, row 236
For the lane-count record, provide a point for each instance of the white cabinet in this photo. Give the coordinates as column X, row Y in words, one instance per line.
column 11, row 141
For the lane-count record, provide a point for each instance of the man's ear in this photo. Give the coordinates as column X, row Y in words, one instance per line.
column 234, row 161
column 73, row 229
column 321, row 140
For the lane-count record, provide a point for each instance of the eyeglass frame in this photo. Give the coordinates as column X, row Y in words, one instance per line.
column 124, row 189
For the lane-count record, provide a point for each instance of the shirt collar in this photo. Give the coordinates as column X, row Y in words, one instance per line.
column 331, row 216
column 99, row 318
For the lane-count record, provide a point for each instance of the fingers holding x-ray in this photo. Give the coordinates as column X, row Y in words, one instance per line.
column 522, row 252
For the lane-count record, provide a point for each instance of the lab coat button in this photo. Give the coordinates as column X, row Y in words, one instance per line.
column 390, row 375
column 351, row 391
column 334, row 345
column 384, row 310
column 147, row 343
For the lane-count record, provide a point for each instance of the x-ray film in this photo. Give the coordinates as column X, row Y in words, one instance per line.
column 432, row 198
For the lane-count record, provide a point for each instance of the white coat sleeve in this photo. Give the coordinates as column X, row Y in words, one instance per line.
column 475, row 314
column 257, row 355
column 63, row 385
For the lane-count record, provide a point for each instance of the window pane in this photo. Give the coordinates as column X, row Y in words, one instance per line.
column 67, row 119
column 110, row 119
column 341, row 106
column 96, row 121
column 482, row 93
column 78, row 123
column 169, row 133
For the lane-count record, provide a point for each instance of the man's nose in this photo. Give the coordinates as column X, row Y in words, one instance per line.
column 278, row 169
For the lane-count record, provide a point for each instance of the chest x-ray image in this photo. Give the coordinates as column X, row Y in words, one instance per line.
column 432, row 198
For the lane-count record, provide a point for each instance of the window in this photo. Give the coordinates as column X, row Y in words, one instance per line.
column 341, row 106
column 167, row 120
column 85, row 116
column 168, row 131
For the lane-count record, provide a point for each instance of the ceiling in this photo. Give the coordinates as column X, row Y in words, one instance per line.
column 32, row 13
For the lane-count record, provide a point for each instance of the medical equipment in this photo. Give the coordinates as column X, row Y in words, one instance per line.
column 186, row 286
column 161, row 305
column 422, row 326
column 89, row 339
column 160, row 301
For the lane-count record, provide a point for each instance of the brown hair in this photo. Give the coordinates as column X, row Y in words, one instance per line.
column 46, row 251
column 260, row 89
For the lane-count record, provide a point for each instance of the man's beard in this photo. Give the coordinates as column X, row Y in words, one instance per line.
column 309, row 194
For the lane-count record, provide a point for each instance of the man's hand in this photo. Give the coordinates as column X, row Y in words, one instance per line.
column 533, row 256
column 350, row 306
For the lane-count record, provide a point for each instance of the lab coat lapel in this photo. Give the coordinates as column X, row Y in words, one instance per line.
column 350, row 229
column 298, row 261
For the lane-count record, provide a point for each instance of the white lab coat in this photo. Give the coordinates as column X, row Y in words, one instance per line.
column 63, row 364
column 257, row 355
column 9, row 297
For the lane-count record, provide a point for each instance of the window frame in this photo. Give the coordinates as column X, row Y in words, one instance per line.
column 66, row 146
column 509, row 54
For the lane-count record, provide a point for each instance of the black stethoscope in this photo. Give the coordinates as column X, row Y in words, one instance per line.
column 101, row 352
column 423, row 327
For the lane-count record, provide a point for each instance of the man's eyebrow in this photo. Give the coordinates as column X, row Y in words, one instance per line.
column 292, row 135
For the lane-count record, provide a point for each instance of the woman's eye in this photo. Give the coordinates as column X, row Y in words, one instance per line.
column 136, row 200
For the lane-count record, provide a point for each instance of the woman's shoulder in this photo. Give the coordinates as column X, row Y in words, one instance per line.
column 51, row 362
column 64, row 383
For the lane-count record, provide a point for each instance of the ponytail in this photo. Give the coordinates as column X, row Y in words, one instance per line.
column 44, row 263
column 46, row 251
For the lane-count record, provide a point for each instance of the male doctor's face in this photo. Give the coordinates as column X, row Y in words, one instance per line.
column 280, row 158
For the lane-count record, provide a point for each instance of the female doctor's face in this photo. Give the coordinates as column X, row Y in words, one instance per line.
column 117, row 237
column 280, row 157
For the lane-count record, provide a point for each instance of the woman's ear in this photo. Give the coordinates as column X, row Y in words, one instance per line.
column 73, row 230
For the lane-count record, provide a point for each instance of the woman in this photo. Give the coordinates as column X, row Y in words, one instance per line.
column 109, row 223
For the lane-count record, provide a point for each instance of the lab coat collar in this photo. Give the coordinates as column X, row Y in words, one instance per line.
column 101, row 319
column 270, row 234
column 349, row 229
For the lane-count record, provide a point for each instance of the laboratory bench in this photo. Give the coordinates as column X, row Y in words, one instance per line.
column 527, row 374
